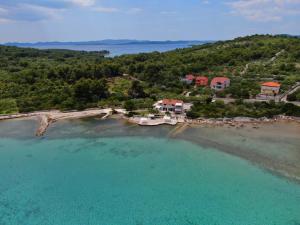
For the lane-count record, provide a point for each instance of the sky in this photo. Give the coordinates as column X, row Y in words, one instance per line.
column 85, row 20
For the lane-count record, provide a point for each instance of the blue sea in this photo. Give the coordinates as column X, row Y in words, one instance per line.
column 93, row 172
column 119, row 49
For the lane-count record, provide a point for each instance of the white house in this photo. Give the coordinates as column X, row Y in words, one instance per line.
column 220, row 83
column 170, row 105
column 188, row 79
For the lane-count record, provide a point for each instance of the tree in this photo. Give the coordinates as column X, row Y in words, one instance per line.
column 291, row 110
column 8, row 106
column 129, row 105
column 136, row 90
column 88, row 90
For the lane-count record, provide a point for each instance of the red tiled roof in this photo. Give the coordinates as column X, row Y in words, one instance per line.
column 271, row 84
column 201, row 81
column 190, row 77
column 219, row 80
column 202, row 78
column 171, row 101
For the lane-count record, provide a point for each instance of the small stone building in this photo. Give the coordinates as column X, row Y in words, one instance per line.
column 270, row 88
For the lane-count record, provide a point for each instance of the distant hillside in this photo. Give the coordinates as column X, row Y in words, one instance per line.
column 289, row 35
column 245, row 59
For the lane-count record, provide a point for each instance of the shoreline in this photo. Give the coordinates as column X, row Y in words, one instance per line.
column 214, row 122
column 242, row 121
column 46, row 118
column 277, row 166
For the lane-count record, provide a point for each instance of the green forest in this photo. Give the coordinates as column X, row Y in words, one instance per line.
column 32, row 79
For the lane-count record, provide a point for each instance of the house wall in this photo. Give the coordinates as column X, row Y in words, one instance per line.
column 221, row 86
column 171, row 108
column 201, row 82
column 187, row 81
column 227, row 83
column 178, row 108
column 168, row 108
column 270, row 90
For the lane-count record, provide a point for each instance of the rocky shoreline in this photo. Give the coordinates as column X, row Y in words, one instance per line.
column 240, row 121
column 46, row 118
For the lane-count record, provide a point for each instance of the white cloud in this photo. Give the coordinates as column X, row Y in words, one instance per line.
column 168, row 12
column 84, row 3
column 105, row 9
column 28, row 12
column 3, row 21
column 134, row 10
column 47, row 12
column 25, row 10
column 265, row 10
column 206, row 2
column 115, row 10
column 34, row 11
column 3, row 11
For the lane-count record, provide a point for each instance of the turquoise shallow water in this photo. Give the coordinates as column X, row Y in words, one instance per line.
column 136, row 181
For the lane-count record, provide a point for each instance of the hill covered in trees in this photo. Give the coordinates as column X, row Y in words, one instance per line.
column 33, row 79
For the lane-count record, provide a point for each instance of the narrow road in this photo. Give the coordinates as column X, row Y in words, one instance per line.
column 277, row 55
column 244, row 71
column 292, row 90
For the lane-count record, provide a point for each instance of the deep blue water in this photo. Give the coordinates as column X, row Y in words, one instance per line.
column 116, row 50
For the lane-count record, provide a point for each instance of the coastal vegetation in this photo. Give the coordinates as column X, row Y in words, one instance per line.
column 242, row 109
column 8, row 106
column 294, row 96
column 32, row 79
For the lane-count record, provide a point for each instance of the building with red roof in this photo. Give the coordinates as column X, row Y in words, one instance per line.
column 201, row 81
column 270, row 88
column 220, row 83
column 171, row 102
column 189, row 79
column 170, row 105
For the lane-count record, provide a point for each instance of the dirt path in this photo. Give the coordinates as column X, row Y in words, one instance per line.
column 273, row 59
column 289, row 92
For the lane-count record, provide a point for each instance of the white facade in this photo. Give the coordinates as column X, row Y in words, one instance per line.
column 172, row 106
column 270, row 90
column 187, row 81
column 219, row 86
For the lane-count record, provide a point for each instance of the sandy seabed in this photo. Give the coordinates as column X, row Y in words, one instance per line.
column 273, row 145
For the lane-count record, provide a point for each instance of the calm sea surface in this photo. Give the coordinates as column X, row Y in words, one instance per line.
column 91, row 172
column 116, row 50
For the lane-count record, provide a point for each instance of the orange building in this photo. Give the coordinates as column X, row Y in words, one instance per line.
column 270, row 88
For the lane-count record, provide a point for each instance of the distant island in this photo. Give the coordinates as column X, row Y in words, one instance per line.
column 106, row 42
column 113, row 47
